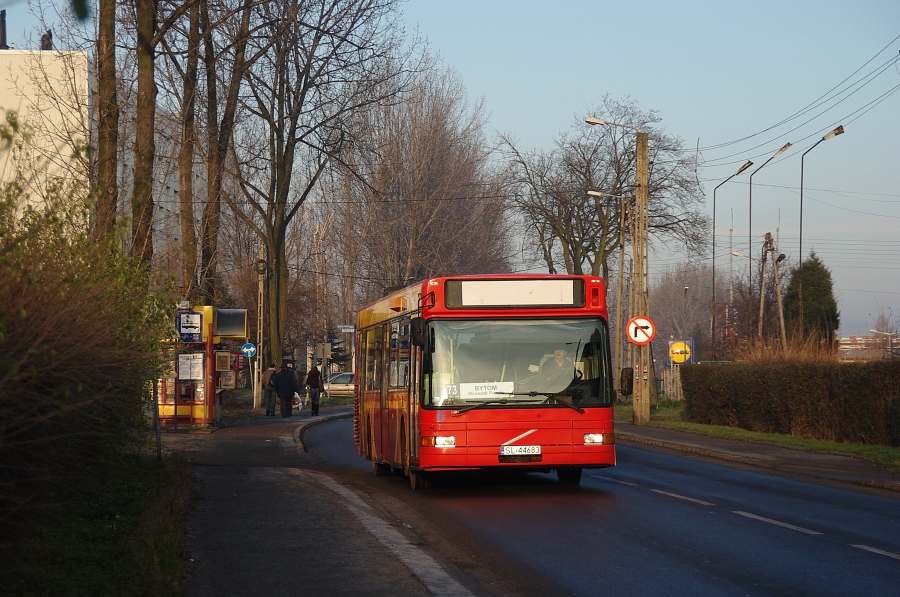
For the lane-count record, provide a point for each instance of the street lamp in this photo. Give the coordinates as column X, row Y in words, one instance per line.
column 750, row 209
column 640, row 245
column 746, row 165
column 838, row 131
column 890, row 336
column 617, row 366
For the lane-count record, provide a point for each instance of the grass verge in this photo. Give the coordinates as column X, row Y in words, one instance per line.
column 119, row 534
column 671, row 415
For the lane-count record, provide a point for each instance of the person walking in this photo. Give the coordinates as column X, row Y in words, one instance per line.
column 285, row 386
column 316, row 385
column 269, row 390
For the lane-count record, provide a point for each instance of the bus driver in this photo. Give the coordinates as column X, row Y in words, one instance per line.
column 558, row 371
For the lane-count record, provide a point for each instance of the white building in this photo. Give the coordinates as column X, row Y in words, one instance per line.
column 48, row 91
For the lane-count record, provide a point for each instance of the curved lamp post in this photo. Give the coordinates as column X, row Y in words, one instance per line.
column 890, row 339
column 750, row 209
column 620, row 278
column 838, row 131
column 746, row 165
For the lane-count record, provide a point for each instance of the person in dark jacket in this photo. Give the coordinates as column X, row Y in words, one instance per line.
column 316, row 385
column 269, row 389
column 285, row 387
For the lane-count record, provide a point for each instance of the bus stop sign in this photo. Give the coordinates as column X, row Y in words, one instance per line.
column 189, row 325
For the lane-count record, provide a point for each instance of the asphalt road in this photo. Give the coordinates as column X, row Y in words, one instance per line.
column 289, row 508
column 657, row 524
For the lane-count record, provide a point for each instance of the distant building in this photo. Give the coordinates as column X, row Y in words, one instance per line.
column 865, row 348
column 48, row 90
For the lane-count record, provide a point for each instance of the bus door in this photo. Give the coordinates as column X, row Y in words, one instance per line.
column 414, row 365
column 372, row 395
column 389, row 396
column 399, row 368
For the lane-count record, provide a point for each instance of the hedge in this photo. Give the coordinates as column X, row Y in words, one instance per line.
column 837, row 402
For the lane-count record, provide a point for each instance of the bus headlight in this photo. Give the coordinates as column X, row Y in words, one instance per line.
column 596, row 439
column 441, row 441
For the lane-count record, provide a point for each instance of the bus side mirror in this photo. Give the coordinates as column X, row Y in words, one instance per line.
column 417, row 331
column 626, row 381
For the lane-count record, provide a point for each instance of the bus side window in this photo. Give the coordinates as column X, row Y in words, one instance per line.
column 371, row 359
column 404, row 374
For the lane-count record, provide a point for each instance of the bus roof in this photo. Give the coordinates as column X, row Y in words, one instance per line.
column 492, row 295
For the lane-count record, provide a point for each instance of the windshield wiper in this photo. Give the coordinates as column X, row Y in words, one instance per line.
column 551, row 395
column 466, row 409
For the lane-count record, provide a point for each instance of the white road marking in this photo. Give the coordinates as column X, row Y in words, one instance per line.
column 426, row 569
column 682, row 497
column 889, row 554
column 778, row 523
column 605, row 478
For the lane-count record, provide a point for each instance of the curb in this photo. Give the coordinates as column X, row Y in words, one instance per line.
column 757, row 462
column 695, row 450
column 301, row 428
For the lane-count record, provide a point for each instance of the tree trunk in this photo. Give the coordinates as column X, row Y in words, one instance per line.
column 186, row 156
column 145, row 145
column 276, row 291
column 220, row 133
column 106, row 190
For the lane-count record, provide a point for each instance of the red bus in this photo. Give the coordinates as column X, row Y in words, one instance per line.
column 486, row 372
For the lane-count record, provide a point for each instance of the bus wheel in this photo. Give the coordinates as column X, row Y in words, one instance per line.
column 418, row 481
column 569, row 476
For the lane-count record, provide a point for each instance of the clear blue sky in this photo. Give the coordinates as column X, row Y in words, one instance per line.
column 716, row 72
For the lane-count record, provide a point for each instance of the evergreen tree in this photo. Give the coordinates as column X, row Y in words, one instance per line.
column 821, row 317
column 340, row 356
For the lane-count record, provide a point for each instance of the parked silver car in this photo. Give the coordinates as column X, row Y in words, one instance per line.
column 340, row 384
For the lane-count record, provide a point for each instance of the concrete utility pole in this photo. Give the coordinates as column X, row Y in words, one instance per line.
column 262, row 267
column 769, row 247
column 775, row 263
column 643, row 371
column 640, row 242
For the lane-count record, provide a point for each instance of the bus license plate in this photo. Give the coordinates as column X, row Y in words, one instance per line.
column 519, row 450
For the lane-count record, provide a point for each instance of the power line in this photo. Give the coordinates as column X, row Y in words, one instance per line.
column 818, row 101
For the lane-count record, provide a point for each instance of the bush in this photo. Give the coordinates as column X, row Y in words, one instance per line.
column 79, row 339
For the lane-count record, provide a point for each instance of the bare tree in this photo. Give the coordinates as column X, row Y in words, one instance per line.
column 318, row 63
column 421, row 197
column 182, row 52
column 683, row 295
column 577, row 232
column 145, row 134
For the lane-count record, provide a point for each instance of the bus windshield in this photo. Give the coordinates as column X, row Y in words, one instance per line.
column 516, row 363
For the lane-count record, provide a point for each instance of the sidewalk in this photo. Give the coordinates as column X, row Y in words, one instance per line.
column 268, row 523
column 828, row 467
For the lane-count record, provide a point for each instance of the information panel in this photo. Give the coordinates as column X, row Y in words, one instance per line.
column 190, row 366
column 469, row 294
